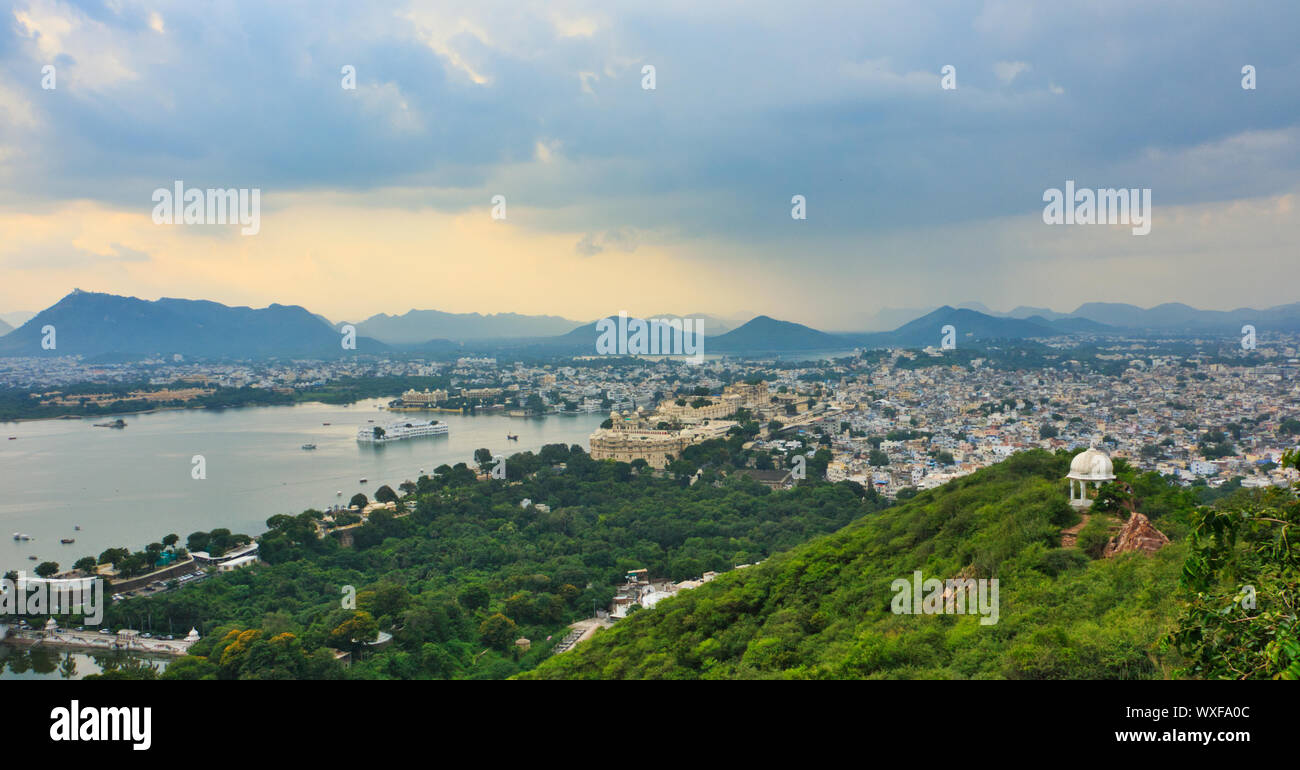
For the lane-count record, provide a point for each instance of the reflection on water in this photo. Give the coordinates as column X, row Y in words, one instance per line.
column 51, row 663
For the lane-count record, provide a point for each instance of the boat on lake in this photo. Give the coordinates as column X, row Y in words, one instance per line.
column 308, row 446
column 118, row 423
column 67, row 540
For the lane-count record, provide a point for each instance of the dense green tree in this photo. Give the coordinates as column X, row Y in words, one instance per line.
column 498, row 631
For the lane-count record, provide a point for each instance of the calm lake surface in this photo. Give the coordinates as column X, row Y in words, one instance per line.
column 131, row 487
column 57, row 663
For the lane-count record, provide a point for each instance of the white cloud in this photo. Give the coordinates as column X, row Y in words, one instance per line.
column 99, row 56
column 387, row 102
column 1008, row 70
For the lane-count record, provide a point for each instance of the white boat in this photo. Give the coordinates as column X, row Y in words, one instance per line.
column 399, row 431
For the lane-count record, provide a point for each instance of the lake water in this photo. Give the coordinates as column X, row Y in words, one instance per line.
column 131, row 487
column 54, row 663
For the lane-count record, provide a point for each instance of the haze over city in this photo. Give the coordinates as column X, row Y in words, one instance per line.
column 672, row 199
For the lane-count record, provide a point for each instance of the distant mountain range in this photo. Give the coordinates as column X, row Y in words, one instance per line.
column 968, row 325
column 5, row 328
column 417, row 326
column 1175, row 316
column 764, row 334
column 583, row 338
column 17, row 318
column 1171, row 316
column 93, row 324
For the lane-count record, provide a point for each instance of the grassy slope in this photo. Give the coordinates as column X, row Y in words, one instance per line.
column 823, row 609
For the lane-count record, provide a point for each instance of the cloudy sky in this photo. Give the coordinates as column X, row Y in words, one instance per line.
column 676, row 199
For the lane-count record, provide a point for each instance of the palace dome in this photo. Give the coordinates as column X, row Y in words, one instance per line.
column 1092, row 465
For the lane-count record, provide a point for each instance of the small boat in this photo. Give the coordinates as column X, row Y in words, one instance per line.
column 512, row 438
column 308, row 446
column 364, row 481
column 13, row 438
column 324, row 423
column 20, row 536
column 67, row 540
column 338, row 493
column 76, row 527
column 33, row 558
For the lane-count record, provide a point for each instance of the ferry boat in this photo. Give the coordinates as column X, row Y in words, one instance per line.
column 308, row 446
column 399, row 431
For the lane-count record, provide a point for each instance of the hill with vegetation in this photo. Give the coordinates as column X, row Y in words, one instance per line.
column 470, row 570
column 823, row 610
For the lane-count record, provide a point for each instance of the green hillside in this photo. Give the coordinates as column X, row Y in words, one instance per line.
column 824, row 609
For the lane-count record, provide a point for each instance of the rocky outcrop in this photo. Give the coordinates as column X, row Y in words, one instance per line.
column 1137, row 534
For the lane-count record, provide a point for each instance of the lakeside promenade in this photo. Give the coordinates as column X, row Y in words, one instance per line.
column 122, row 641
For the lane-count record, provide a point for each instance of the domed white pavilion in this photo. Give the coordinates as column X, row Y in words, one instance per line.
column 1090, row 465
